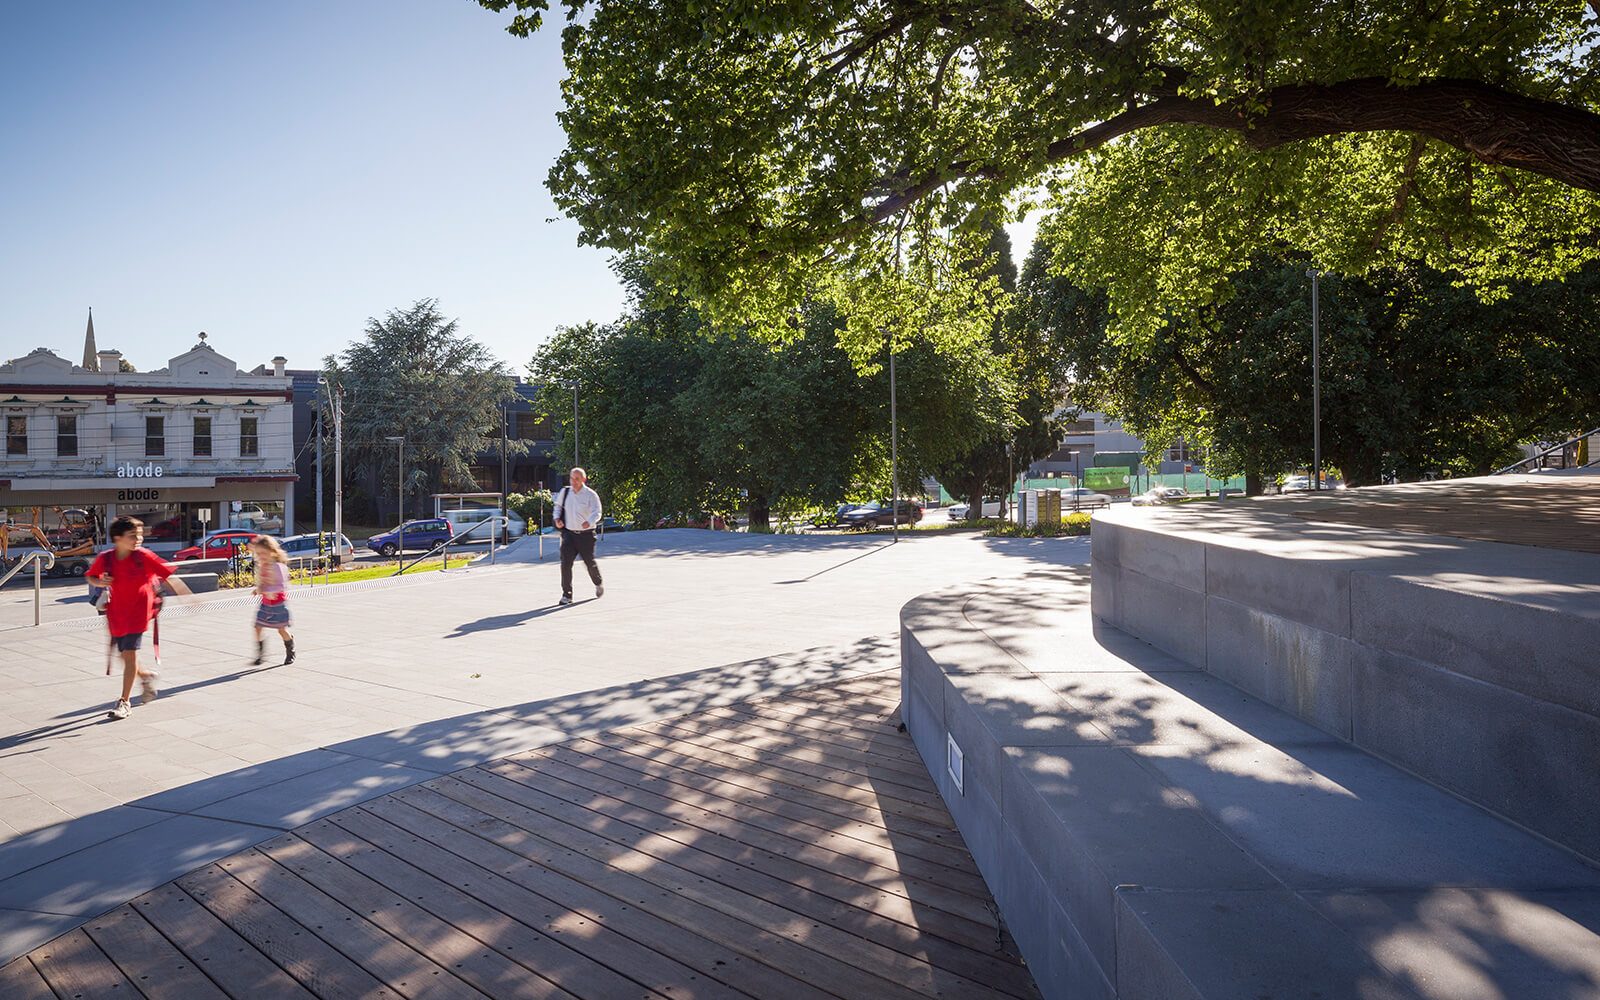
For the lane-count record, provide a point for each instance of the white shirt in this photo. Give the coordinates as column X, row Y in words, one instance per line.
column 579, row 510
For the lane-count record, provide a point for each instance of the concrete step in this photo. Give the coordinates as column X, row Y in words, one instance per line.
column 1150, row 830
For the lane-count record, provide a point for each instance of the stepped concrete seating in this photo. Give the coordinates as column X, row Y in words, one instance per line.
column 1150, row 830
column 1475, row 664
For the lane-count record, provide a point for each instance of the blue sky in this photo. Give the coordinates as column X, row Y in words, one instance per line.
column 276, row 173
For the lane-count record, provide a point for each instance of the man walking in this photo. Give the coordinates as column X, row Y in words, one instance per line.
column 577, row 510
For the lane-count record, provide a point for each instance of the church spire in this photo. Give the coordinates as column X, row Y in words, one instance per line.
column 91, row 361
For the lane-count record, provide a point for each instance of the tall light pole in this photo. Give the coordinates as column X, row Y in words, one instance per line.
column 338, row 469
column 1316, row 379
column 400, row 492
column 894, row 451
column 573, row 385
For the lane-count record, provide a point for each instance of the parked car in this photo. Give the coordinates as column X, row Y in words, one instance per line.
column 1082, row 499
column 835, row 518
column 252, row 516
column 423, row 533
column 878, row 513
column 217, row 545
column 1159, row 495
column 302, row 549
column 991, row 508
column 465, row 519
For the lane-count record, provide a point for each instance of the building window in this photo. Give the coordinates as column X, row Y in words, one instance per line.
column 202, row 437
column 155, row 437
column 16, row 435
column 1179, row 452
column 532, row 427
column 1080, row 427
column 66, row 435
column 249, row 441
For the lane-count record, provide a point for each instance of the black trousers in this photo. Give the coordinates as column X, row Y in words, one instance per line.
column 573, row 545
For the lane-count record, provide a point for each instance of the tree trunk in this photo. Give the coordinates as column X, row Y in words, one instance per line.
column 1252, row 483
column 974, row 492
column 760, row 514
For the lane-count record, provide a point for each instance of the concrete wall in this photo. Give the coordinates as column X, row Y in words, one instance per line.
column 1476, row 680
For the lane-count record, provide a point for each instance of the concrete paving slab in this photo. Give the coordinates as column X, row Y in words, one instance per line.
column 42, row 846
column 1300, row 809
column 1220, row 945
column 187, row 798
column 299, row 800
column 99, row 877
column 21, row 931
column 1490, row 944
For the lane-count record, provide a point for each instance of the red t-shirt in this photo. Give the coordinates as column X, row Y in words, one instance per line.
column 133, row 591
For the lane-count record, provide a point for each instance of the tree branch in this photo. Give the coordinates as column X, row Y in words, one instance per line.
column 1496, row 126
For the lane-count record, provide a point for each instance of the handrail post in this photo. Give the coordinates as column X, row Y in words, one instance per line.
column 38, row 587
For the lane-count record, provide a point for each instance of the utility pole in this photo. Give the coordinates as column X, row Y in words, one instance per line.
column 321, row 538
column 338, row 475
column 400, row 494
column 1316, row 380
column 503, row 474
column 336, row 400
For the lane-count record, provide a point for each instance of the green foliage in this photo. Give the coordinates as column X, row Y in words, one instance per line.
column 766, row 155
column 1070, row 525
column 414, row 375
column 536, row 507
column 676, row 418
column 1419, row 376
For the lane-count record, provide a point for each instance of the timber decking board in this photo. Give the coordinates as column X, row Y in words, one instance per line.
column 793, row 847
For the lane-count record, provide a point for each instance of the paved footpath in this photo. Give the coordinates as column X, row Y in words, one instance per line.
column 400, row 682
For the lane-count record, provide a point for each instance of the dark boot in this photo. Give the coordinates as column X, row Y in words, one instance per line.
column 261, row 652
column 288, row 651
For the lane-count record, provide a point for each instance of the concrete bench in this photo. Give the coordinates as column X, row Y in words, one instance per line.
column 1151, row 831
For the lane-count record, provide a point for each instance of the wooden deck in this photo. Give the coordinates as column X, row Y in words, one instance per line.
column 791, row 848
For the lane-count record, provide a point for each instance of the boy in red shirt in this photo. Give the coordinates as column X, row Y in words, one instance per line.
column 132, row 574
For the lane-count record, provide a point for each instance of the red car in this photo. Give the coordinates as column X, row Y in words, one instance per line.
column 217, row 545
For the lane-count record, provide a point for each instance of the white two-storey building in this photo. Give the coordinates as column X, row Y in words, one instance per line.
column 197, row 435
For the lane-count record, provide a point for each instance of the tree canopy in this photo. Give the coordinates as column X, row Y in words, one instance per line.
column 760, row 153
column 415, row 375
column 677, row 419
column 1419, row 377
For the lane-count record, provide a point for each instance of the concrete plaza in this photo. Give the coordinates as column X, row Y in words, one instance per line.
column 401, row 681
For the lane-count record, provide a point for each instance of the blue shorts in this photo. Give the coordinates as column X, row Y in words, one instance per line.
column 128, row 643
column 273, row 615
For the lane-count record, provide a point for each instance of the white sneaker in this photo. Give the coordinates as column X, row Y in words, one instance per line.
column 599, row 590
column 148, row 689
column 122, row 711
column 565, row 600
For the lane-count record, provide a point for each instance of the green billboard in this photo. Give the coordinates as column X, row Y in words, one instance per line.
column 1107, row 479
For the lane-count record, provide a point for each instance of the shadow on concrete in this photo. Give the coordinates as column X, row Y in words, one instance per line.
column 1225, row 838
column 73, row 870
column 494, row 622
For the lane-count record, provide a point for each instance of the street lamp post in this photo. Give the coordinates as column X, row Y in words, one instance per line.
column 573, row 385
column 400, row 492
column 1316, row 380
column 1077, row 480
column 894, row 451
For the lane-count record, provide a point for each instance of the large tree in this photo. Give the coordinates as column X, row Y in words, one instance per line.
column 413, row 374
column 759, row 151
column 675, row 416
column 1419, row 377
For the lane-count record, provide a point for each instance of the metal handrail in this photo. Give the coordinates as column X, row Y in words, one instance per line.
column 35, row 557
column 1563, row 446
column 492, row 520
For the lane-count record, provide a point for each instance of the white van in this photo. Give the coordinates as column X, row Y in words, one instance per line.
column 461, row 520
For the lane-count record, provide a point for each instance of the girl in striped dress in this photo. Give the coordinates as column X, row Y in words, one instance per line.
column 272, row 583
